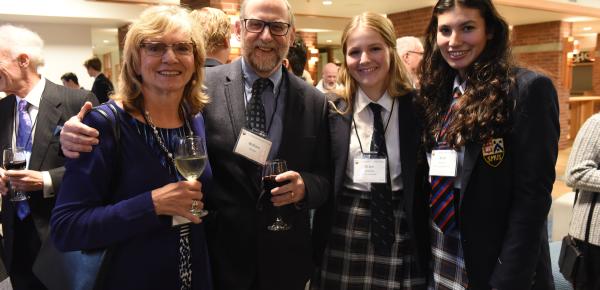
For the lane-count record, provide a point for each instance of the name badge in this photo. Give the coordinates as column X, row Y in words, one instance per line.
column 370, row 168
column 253, row 146
column 443, row 163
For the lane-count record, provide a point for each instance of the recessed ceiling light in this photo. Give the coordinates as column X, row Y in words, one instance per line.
column 587, row 28
column 105, row 41
column 327, row 2
column 328, row 40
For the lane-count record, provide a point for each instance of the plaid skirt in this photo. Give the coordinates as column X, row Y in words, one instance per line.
column 449, row 271
column 350, row 262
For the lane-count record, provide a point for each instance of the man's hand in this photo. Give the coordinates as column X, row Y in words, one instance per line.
column 77, row 137
column 293, row 191
column 25, row 180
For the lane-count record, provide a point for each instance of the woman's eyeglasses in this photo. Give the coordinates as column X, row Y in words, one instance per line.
column 156, row 48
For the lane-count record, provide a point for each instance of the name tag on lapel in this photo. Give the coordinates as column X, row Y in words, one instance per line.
column 253, row 146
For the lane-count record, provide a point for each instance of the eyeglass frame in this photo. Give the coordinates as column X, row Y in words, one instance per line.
column 265, row 24
column 168, row 46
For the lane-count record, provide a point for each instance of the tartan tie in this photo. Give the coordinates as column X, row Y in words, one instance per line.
column 23, row 141
column 255, row 112
column 382, row 211
column 442, row 187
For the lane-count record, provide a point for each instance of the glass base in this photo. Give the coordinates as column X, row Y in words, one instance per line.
column 19, row 196
column 278, row 226
column 199, row 213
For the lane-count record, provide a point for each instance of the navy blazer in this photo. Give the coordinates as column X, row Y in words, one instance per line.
column 414, row 201
column 243, row 252
column 145, row 246
column 505, row 200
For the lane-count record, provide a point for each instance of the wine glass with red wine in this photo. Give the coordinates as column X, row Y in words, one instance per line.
column 14, row 159
column 272, row 169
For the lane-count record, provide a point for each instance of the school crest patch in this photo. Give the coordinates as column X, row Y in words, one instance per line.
column 493, row 152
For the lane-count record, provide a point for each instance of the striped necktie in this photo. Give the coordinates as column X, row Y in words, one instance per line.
column 442, row 187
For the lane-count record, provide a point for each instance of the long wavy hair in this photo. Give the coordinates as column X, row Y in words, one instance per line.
column 157, row 21
column 486, row 107
column 398, row 83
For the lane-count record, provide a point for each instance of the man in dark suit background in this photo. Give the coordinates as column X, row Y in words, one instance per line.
column 30, row 117
column 244, row 254
column 102, row 86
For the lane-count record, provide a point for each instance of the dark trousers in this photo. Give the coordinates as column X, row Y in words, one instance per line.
column 26, row 246
column 592, row 259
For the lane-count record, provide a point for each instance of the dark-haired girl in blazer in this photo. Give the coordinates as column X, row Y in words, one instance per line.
column 491, row 133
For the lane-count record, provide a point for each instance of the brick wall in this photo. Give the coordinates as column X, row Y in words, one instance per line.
column 543, row 47
column 411, row 23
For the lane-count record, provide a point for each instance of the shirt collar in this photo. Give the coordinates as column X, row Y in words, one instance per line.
column 362, row 101
column 459, row 85
column 250, row 75
column 35, row 95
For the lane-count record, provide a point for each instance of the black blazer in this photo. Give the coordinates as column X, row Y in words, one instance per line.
column 57, row 105
column 102, row 88
column 243, row 252
column 414, row 197
column 504, row 205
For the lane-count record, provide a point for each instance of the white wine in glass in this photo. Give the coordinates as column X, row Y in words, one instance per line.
column 190, row 160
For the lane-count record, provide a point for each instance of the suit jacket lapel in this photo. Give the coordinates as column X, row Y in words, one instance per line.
column 234, row 95
column 294, row 108
column 8, row 122
column 408, row 146
column 47, row 120
column 472, row 151
column 340, row 129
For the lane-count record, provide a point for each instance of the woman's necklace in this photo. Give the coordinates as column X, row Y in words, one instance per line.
column 161, row 142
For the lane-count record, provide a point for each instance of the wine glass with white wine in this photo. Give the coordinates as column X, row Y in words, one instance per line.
column 190, row 160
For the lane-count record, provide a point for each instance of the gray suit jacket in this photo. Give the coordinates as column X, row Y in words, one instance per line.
column 243, row 252
column 57, row 105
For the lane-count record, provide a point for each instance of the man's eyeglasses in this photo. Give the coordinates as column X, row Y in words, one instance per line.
column 156, row 48
column 415, row 52
column 257, row 26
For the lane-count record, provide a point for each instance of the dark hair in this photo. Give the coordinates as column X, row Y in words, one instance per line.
column 485, row 107
column 70, row 77
column 94, row 63
column 297, row 56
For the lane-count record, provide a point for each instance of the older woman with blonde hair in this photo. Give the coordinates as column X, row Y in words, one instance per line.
column 124, row 194
column 373, row 232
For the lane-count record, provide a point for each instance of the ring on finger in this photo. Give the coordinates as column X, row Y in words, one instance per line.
column 194, row 205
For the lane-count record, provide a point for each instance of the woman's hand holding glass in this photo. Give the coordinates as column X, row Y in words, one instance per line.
column 176, row 199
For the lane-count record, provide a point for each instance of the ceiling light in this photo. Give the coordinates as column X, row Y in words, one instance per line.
column 105, row 41
column 328, row 40
column 327, row 2
column 587, row 28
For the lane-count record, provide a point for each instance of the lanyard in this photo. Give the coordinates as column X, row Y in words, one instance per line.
column 384, row 130
column 276, row 99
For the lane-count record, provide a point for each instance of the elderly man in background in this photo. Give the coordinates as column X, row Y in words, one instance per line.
column 329, row 83
column 215, row 27
column 30, row 116
column 410, row 50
